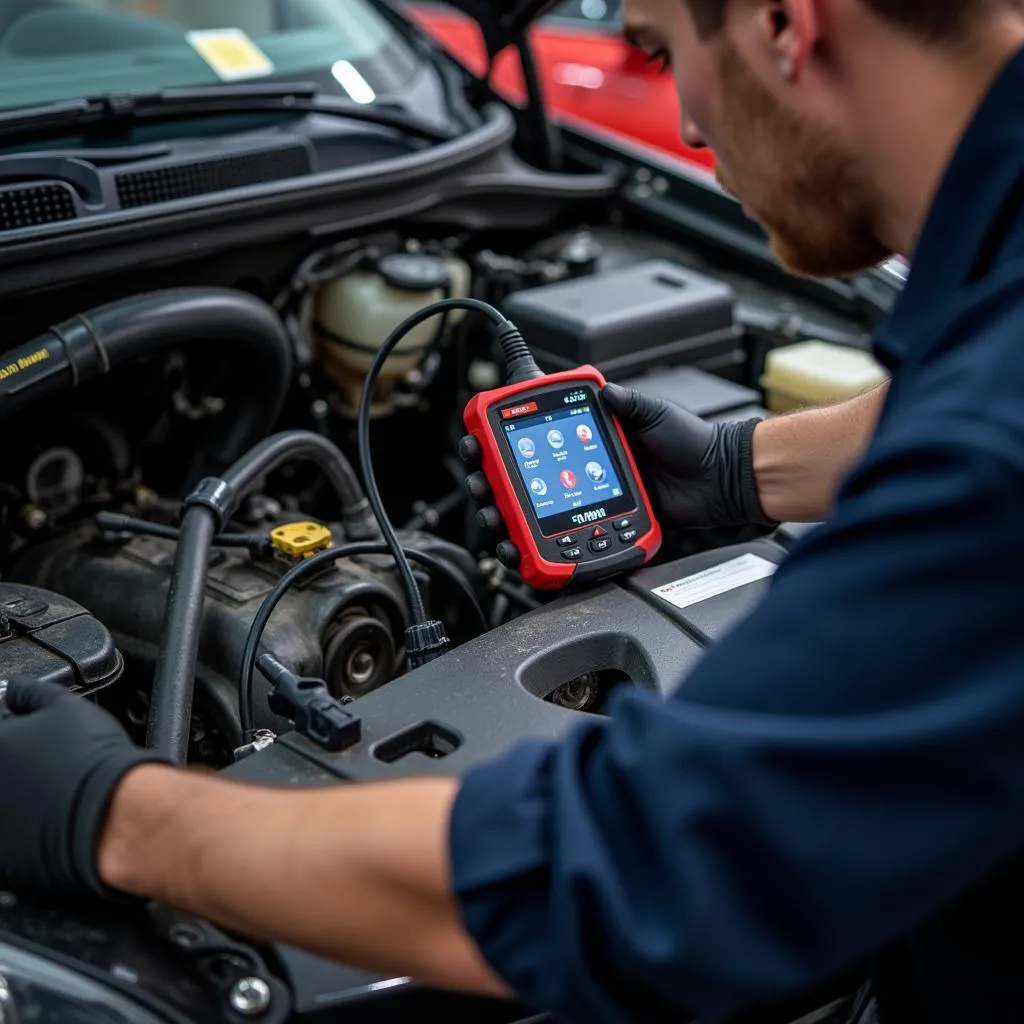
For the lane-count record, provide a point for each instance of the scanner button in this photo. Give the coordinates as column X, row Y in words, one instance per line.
column 598, row 532
column 622, row 524
column 627, row 536
column 597, row 546
column 567, row 541
column 572, row 554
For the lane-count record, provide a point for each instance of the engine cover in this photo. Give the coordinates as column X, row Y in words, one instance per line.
column 53, row 639
column 516, row 683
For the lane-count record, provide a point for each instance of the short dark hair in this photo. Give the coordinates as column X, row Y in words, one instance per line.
column 933, row 20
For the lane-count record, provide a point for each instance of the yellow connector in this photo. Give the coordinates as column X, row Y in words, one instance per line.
column 300, row 540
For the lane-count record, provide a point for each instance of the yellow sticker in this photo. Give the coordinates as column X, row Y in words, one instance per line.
column 231, row 53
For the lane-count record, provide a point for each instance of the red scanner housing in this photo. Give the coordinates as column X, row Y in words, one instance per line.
column 573, row 503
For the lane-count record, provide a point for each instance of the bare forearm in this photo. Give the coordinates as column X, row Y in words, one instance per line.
column 356, row 873
column 800, row 460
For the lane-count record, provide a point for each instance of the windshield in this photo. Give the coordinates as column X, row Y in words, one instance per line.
column 66, row 49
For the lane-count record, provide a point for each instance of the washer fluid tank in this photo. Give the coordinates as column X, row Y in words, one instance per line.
column 356, row 313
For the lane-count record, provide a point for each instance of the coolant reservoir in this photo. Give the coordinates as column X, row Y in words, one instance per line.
column 356, row 313
column 813, row 373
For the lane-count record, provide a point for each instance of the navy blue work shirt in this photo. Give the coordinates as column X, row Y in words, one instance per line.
column 843, row 773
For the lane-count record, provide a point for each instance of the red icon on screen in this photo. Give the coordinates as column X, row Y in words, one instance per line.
column 584, row 433
column 568, row 479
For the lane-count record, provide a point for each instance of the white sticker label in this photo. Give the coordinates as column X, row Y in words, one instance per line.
column 719, row 579
column 231, row 53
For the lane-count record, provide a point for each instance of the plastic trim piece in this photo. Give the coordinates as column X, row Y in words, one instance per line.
column 321, row 203
column 498, row 129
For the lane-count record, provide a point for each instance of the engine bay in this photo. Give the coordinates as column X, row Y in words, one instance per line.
column 191, row 377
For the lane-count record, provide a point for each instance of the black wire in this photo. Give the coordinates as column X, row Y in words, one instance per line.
column 309, row 567
column 412, row 592
column 117, row 523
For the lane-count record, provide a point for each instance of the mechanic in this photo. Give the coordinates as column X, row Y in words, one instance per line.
column 841, row 780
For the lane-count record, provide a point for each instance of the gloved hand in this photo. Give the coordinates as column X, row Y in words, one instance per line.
column 61, row 758
column 699, row 475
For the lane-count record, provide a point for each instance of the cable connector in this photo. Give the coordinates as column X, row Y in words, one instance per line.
column 519, row 362
column 300, row 540
column 307, row 703
column 217, row 495
column 425, row 642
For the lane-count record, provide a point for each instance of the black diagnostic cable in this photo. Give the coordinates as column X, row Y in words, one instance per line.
column 214, row 500
column 425, row 638
column 308, row 568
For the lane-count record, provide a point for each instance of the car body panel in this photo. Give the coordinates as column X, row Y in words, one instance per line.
column 587, row 69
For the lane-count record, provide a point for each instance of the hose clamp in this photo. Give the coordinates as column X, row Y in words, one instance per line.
column 215, row 494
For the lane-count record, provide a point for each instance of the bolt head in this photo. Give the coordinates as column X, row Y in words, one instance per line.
column 250, row 997
column 34, row 518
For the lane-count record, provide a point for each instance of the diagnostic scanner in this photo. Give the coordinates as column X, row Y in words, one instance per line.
column 563, row 479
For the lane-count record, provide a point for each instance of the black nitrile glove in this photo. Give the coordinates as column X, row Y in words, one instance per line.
column 61, row 758
column 701, row 475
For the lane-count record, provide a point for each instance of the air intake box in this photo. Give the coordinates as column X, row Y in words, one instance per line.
column 626, row 321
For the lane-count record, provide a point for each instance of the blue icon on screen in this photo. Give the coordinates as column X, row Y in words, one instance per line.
column 596, row 472
column 527, row 448
column 555, row 439
column 538, row 487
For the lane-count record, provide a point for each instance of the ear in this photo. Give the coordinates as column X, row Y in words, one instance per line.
column 791, row 29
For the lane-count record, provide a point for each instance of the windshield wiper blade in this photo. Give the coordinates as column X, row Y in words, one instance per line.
column 51, row 116
column 112, row 109
column 111, row 106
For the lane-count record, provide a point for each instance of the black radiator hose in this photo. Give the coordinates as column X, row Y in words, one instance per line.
column 95, row 343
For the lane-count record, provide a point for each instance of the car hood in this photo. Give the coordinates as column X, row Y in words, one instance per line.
column 501, row 21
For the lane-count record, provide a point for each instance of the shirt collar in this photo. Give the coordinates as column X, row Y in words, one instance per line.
column 983, row 176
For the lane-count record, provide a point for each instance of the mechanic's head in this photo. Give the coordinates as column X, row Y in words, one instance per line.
column 831, row 120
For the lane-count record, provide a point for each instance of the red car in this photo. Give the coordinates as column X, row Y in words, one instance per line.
column 587, row 69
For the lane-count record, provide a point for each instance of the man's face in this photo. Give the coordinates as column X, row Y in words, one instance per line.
column 774, row 151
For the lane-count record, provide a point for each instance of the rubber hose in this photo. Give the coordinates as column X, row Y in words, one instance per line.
column 95, row 343
column 303, row 445
column 170, row 713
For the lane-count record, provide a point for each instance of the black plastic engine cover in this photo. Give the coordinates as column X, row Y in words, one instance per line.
column 484, row 697
column 479, row 701
column 52, row 639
